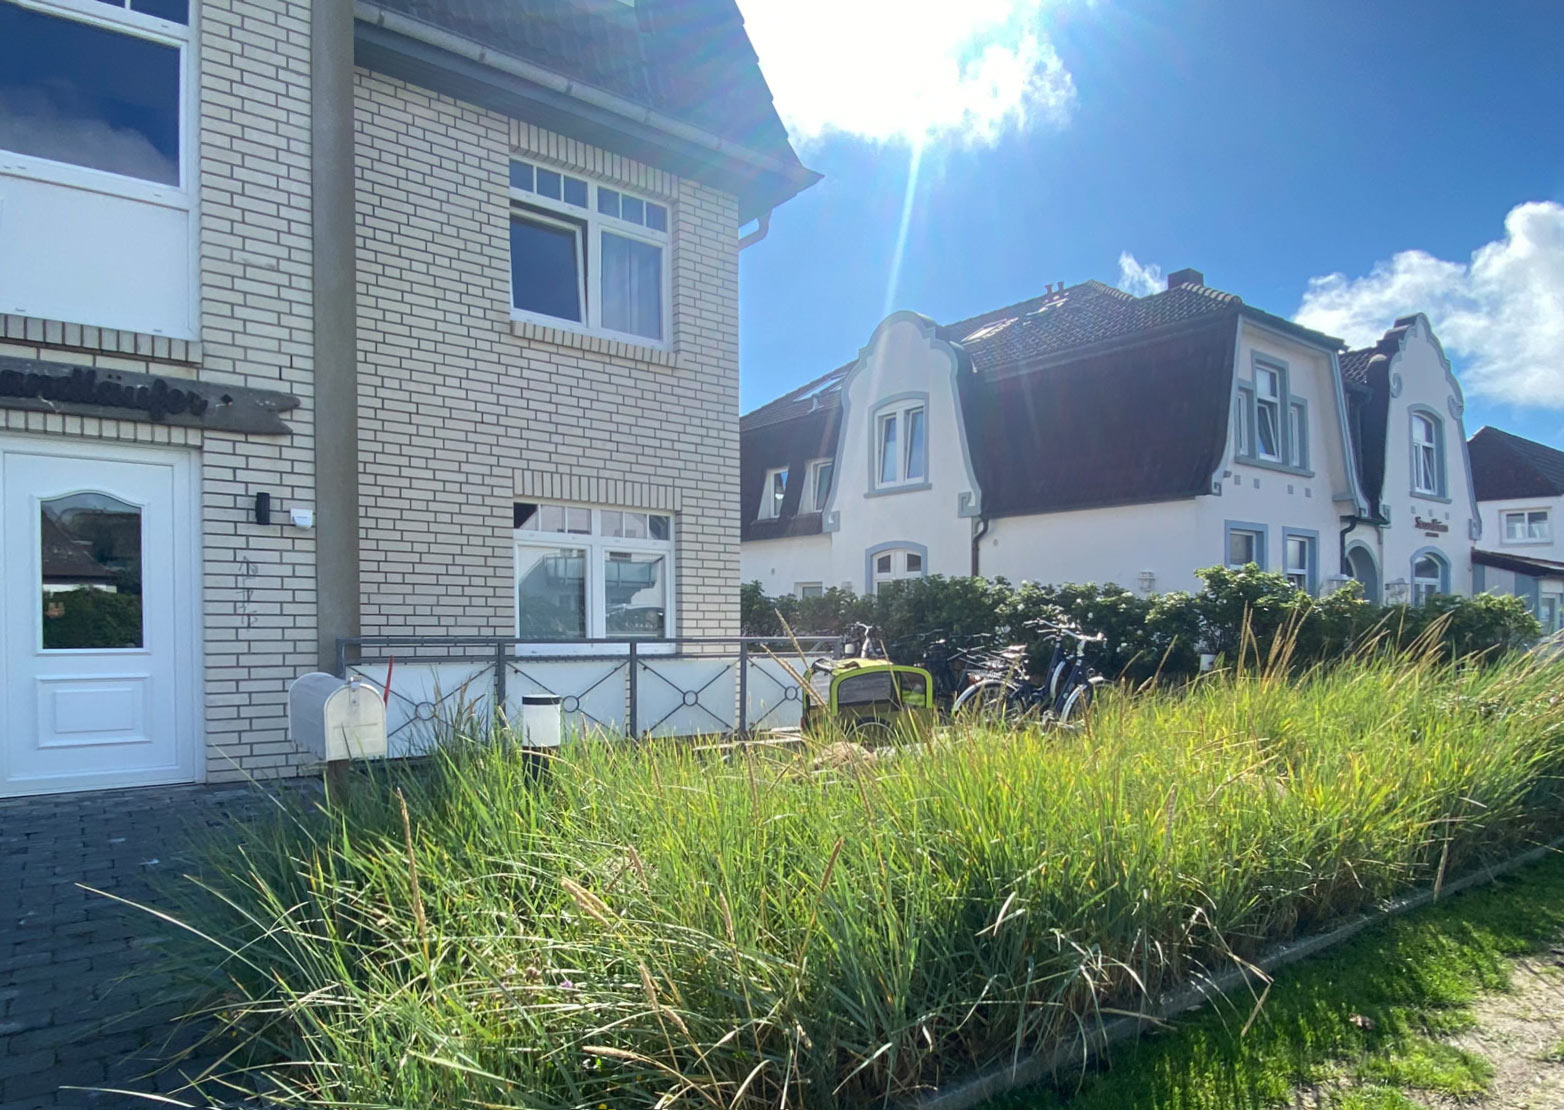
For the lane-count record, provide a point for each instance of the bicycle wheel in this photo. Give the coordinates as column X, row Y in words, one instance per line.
column 985, row 702
column 1077, row 704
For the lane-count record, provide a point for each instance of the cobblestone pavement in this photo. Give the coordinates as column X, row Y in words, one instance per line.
column 79, row 1004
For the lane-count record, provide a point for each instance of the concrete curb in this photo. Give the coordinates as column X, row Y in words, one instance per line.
column 1079, row 1050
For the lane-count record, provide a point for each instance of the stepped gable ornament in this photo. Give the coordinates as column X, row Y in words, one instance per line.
column 37, row 386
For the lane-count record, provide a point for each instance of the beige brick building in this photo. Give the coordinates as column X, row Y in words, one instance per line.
column 386, row 319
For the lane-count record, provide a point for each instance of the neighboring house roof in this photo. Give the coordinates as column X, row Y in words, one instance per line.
column 689, row 60
column 1520, row 564
column 1506, row 467
column 1068, row 401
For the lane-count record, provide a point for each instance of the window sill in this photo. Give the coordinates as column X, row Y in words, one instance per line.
column 910, row 487
column 1526, row 543
column 1278, row 466
column 1423, row 496
column 586, row 341
column 86, row 337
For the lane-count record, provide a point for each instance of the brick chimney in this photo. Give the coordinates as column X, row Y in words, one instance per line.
column 1185, row 277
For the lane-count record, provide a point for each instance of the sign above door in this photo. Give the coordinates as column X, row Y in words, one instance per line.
column 38, row 386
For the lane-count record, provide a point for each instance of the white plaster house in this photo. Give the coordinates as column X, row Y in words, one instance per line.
column 1520, row 489
column 1088, row 435
column 320, row 319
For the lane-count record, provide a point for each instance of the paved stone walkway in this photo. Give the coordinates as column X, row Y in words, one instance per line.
column 72, row 1014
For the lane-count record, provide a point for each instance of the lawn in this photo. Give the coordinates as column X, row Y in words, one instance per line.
column 655, row 925
column 1363, row 1027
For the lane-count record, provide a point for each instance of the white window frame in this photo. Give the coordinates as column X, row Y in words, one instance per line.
column 898, row 570
column 1241, row 423
column 597, row 547
column 1275, row 402
column 1424, row 587
column 1302, row 576
column 595, row 224
column 1297, row 435
column 1434, row 449
column 770, row 502
column 810, row 495
column 1257, row 533
column 1543, row 535
column 901, row 414
column 136, row 25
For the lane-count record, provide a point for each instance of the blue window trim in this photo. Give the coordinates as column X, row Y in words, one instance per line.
column 1263, row 546
column 1441, row 466
column 898, row 401
column 1444, row 569
column 1287, row 400
column 881, row 549
column 1314, row 555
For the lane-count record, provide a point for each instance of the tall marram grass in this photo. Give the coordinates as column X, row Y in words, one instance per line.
column 657, row 925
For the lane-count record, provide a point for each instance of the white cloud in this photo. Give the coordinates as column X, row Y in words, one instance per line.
column 1502, row 313
column 909, row 70
column 1135, row 278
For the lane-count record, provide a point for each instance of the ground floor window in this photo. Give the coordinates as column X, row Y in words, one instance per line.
column 807, row 590
column 893, row 564
column 1301, row 559
column 588, row 573
column 1245, row 545
column 1430, row 576
column 1548, row 613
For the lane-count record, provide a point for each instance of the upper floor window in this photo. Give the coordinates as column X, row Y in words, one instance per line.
column 1270, row 423
column 584, row 572
column 1526, row 526
column 901, row 445
column 1427, row 455
column 1430, row 576
column 101, row 92
column 818, row 490
column 587, row 256
column 772, row 494
column 1268, row 413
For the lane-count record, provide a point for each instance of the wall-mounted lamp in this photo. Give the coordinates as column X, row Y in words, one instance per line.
column 263, row 508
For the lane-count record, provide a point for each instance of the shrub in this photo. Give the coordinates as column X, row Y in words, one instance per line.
column 1244, row 615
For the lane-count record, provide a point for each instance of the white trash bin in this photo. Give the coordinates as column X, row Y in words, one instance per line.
column 542, row 720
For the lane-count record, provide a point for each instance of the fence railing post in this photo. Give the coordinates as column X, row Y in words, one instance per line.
column 633, row 721
column 743, row 687
column 499, row 679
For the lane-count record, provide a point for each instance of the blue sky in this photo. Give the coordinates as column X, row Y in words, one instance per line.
column 1269, row 145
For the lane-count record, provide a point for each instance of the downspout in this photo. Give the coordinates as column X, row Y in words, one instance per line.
column 977, row 538
column 760, row 232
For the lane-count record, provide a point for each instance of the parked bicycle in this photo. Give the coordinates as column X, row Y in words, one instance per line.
column 1003, row 689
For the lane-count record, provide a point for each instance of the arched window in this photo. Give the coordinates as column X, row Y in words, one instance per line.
column 1430, row 576
column 890, row 564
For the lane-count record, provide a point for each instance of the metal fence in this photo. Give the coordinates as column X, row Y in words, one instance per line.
column 686, row 686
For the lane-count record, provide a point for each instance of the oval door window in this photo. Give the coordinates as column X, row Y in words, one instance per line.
column 91, row 559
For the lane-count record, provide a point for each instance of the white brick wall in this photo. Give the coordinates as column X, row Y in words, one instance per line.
column 256, row 330
column 463, row 412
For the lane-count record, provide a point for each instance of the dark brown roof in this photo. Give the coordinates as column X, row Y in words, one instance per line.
column 1134, row 423
column 1506, row 466
column 1521, row 564
column 790, row 443
column 1097, row 372
column 690, row 59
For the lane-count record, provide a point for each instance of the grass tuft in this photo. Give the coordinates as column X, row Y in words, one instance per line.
column 656, row 925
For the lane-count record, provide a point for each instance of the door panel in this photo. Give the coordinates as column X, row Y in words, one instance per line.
column 96, row 617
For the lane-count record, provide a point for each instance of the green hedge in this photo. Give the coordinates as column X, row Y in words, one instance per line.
column 1147, row 636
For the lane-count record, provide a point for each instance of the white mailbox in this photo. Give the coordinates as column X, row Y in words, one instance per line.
column 337, row 718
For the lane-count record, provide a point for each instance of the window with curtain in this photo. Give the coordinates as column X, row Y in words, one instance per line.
column 1268, row 413
column 588, row 256
column 901, row 445
column 1427, row 476
column 584, row 572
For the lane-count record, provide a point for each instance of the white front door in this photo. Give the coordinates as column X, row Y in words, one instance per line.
column 97, row 617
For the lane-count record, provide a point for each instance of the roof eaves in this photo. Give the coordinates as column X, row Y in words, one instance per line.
column 515, row 80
